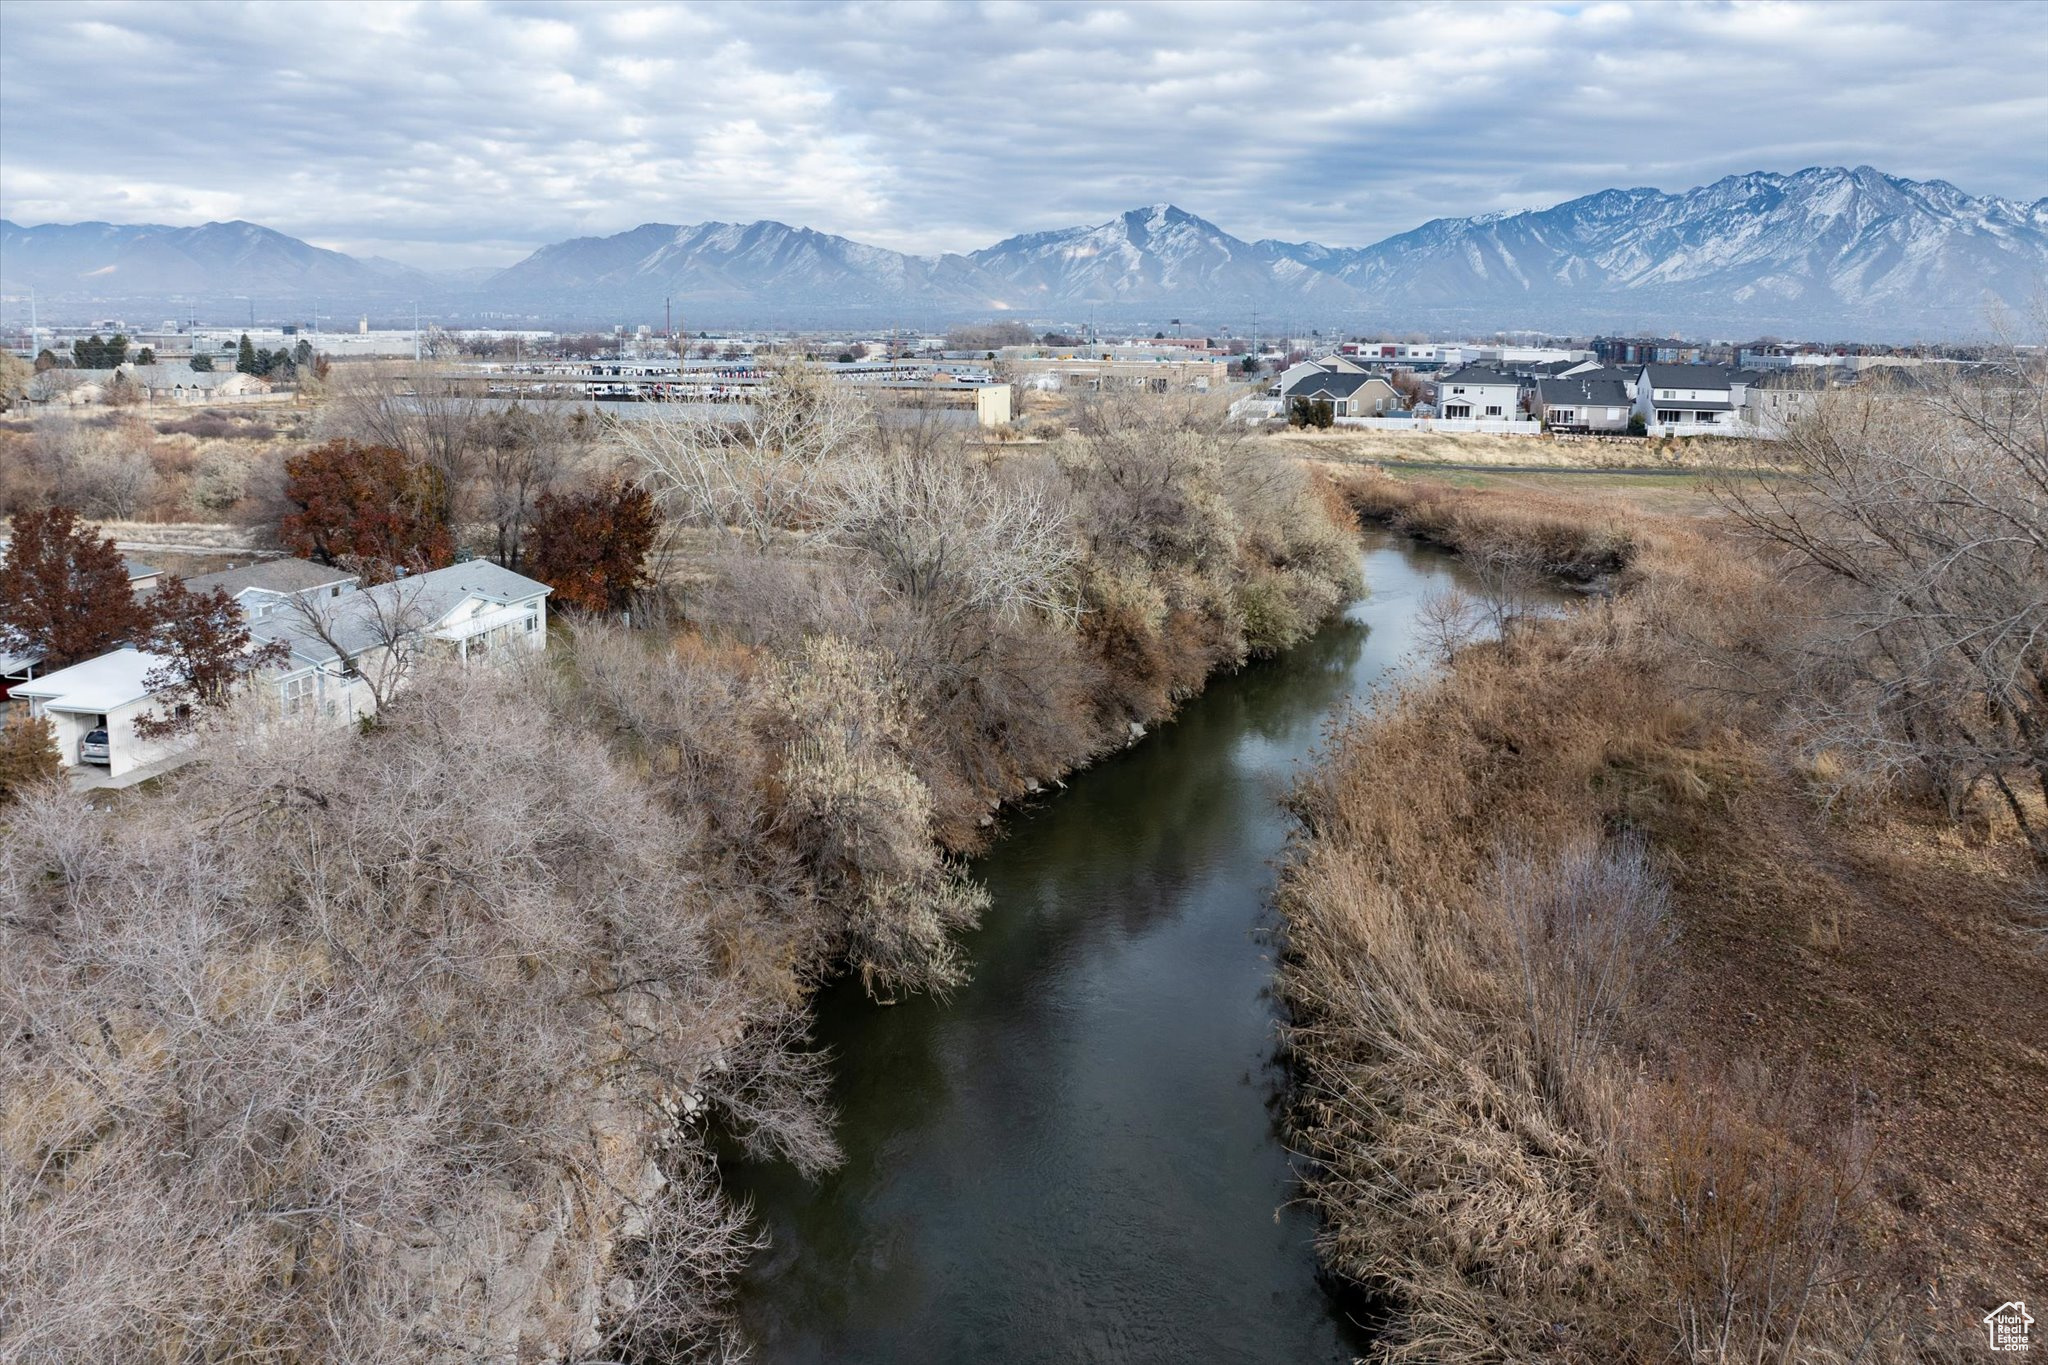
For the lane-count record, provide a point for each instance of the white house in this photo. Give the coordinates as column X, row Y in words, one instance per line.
column 1686, row 398
column 93, row 707
column 346, row 645
column 1476, row 392
column 264, row 586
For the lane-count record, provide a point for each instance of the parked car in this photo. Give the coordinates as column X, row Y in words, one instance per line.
column 93, row 748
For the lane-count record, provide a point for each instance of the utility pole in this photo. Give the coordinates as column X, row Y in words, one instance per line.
column 34, row 332
column 415, row 332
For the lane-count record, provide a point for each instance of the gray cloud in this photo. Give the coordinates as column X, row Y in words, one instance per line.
column 451, row 134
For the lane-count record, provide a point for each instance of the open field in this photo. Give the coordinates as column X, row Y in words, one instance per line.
column 1637, row 1028
column 1475, row 448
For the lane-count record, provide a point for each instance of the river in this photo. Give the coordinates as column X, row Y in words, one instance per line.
column 1076, row 1158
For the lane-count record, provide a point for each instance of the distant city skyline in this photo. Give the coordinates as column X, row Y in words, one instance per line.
column 467, row 135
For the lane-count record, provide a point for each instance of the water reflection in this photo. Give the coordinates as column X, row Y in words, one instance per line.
column 1074, row 1159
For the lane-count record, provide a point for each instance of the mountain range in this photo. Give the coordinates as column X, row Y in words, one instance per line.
column 1825, row 250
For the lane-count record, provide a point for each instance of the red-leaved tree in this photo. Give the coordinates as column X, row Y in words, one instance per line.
column 591, row 544
column 64, row 594
column 208, row 651
column 370, row 508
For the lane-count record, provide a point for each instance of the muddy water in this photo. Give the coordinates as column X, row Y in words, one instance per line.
column 1076, row 1158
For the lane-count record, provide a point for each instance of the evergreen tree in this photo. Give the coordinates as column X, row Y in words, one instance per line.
column 202, row 363
column 86, row 354
column 302, row 354
column 146, row 356
column 114, row 353
column 245, row 356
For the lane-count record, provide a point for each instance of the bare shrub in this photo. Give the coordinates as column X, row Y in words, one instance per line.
column 221, row 479
column 1923, row 521
column 307, row 1049
column 861, row 819
column 1588, row 922
column 1448, row 620
column 103, row 471
column 1752, row 1234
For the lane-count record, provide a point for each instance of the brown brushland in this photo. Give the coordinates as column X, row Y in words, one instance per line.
column 1622, row 1033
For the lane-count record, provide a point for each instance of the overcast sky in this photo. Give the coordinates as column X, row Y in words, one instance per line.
column 469, row 133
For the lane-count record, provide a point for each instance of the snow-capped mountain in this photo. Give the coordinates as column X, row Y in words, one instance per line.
column 736, row 265
column 1824, row 247
column 148, row 261
column 1821, row 251
column 1160, row 254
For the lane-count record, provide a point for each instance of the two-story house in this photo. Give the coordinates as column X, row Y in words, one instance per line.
column 1686, row 398
column 1582, row 404
column 1475, row 392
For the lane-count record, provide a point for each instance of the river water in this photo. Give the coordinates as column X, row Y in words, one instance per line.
column 1076, row 1158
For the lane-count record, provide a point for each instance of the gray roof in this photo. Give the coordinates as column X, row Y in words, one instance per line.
column 1577, row 391
column 362, row 620
column 1339, row 384
column 166, row 376
column 1688, row 376
column 1802, row 377
column 270, row 575
column 1479, row 375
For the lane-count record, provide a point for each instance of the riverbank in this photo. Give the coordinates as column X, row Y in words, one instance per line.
column 1073, row 1156
column 1622, row 1030
column 582, row 907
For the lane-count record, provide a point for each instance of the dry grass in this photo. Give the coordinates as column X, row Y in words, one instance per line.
column 1478, row 448
column 1552, row 1123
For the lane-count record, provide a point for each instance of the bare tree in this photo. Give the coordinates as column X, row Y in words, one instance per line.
column 525, row 452
column 1448, row 620
column 754, row 474
column 1922, row 519
column 951, row 533
column 377, row 635
column 420, row 410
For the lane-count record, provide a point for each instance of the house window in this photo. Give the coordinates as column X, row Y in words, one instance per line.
column 1493, row 411
column 295, row 692
column 532, row 622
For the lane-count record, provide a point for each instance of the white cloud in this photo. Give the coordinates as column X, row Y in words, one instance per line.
column 467, row 133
